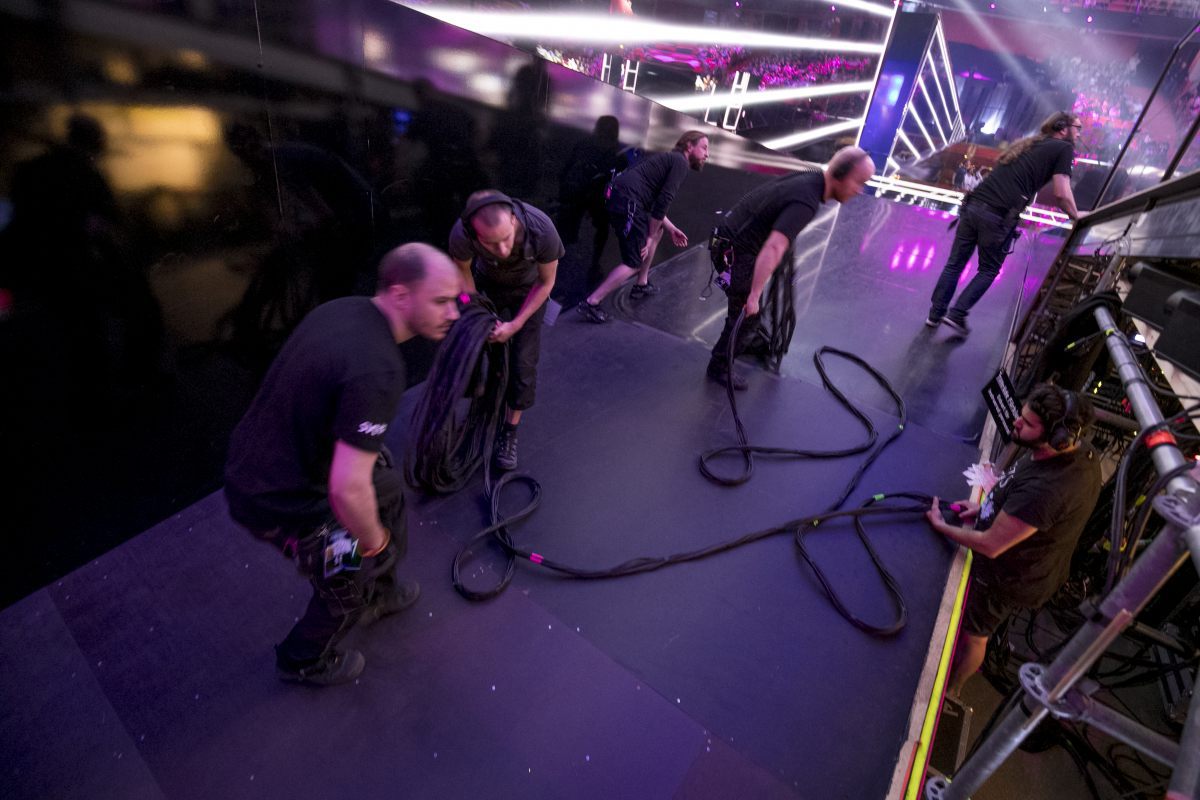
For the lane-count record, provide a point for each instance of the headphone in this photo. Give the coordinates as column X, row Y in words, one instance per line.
column 1061, row 434
column 841, row 171
column 489, row 198
column 1063, row 122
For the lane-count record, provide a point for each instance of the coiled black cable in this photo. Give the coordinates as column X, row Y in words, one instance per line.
column 454, row 424
column 783, row 313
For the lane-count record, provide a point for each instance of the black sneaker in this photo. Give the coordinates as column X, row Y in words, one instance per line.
column 958, row 326
column 394, row 601
column 932, row 321
column 724, row 377
column 592, row 313
column 641, row 290
column 506, row 450
column 341, row 667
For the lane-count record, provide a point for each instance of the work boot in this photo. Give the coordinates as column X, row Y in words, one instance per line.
column 959, row 326
column 726, row 376
column 393, row 601
column 337, row 668
column 641, row 290
column 506, row 449
column 592, row 313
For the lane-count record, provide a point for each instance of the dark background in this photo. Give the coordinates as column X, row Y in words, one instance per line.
column 180, row 184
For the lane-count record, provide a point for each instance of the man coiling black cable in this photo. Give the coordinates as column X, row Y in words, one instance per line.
column 753, row 239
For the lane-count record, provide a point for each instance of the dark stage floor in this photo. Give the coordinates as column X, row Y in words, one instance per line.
column 148, row 673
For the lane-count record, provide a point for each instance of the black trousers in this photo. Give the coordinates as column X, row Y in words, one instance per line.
column 524, row 348
column 338, row 601
column 978, row 227
column 741, row 276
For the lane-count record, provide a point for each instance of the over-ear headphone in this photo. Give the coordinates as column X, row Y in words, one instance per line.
column 1061, row 434
column 487, row 198
column 840, row 172
column 1062, row 123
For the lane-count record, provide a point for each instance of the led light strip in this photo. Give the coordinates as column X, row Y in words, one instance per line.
column 948, row 66
column 921, row 189
column 860, row 5
column 937, row 83
column 808, row 136
column 1082, row 160
column 908, row 142
column 1041, row 216
column 604, row 29
column 932, row 111
column 699, row 102
column 928, row 139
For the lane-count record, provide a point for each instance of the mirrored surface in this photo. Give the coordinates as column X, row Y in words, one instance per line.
column 181, row 183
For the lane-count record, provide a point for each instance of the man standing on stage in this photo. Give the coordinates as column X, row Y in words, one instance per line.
column 1028, row 526
column 308, row 472
column 637, row 208
column 757, row 234
column 989, row 215
column 509, row 250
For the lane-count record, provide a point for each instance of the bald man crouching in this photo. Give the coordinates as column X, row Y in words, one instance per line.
column 757, row 233
column 307, row 469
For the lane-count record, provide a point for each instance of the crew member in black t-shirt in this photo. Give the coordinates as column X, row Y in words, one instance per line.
column 757, row 234
column 637, row 208
column 307, row 470
column 989, row 215
column 1028, row 526
column 509, row 250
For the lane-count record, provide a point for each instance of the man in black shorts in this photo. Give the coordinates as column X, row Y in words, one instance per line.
column 1027, row 528
column 990, row 213
column 757, row 234
column 307, row 470
column 637, row 208
column 509, row 251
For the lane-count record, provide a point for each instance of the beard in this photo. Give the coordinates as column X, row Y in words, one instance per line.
column 695, row 163
column 1029, row 445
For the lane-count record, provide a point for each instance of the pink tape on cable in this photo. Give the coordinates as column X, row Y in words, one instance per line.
column 535, row 558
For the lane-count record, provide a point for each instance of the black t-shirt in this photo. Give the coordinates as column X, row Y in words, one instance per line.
column 339, row 376
column 653, row 182
column 786, row 205
column 1056, row 496
column 1015, row 184
column 541, row 245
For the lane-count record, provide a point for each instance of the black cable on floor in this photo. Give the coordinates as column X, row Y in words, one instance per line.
column 447, row 447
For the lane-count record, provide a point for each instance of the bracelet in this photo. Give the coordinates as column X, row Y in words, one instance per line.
column 372, row 553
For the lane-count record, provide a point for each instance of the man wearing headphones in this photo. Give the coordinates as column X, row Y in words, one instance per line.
column 637, row 208
column 509, row 251
column 989, row 215
column 1028, row 525
column 757, row 234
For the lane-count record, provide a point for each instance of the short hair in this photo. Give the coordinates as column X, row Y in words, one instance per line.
column 844, row 161
column 406, row 265
column 688, row 139
column 1049, row 403
column 493, row 213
